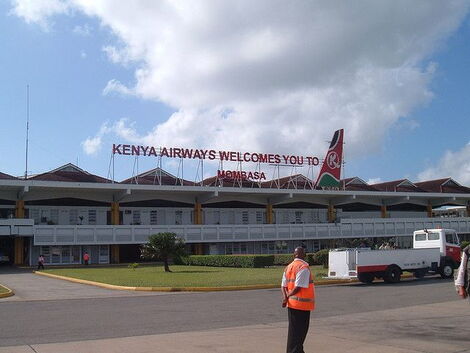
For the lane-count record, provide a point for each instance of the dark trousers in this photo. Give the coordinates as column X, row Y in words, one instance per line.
column 40, row 265
column 298, row 328
column 86, row 262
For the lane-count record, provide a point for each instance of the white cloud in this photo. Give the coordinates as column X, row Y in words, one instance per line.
column 83, row 54
column 92, row 145
column 452, row 164
column 114, row 86
column 276, row 75
column 39, row 11
column 84, row 30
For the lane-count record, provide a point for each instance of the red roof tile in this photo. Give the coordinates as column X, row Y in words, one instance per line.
column 156, row 176
column 402, row 185
column 446, row 185
column 70, row 173
column 7, row 176
column 297, row 181
column 355, row 184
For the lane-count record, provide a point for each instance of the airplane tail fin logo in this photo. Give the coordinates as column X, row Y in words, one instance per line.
column 330, row 173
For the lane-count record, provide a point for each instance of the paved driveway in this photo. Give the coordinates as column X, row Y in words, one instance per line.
column 28, row 286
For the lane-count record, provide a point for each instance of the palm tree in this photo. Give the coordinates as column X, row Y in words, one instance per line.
column 163, row 246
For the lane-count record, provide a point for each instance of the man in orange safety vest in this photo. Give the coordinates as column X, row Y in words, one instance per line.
column 298, row 294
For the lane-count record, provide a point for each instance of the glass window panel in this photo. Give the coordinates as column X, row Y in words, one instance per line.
column 104, row 254
column 75, row 254
column 245, row 217
column 154, row 217
column 54, row 217
column 136, row 217
column 433, row 236
column 91, row 216
column 44, row 216
column 259, row 217
column 236, row 248
column 65, row 254
column 34, row 214
column 73, row 217
column 285, row 217
column 178, row 217
column 55, row 254
column 420, row 237
column 46, row 252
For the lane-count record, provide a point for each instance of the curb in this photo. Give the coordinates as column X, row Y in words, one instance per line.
column 180, row 289
column 9, row 292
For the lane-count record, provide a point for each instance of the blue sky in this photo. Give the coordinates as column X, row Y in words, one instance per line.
column 404, row 107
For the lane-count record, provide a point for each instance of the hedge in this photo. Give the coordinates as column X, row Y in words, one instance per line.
column 321, row 257
column 318, row 258
column 246, row 261
column 283, row 259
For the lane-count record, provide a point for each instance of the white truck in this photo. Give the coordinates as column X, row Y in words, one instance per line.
column 435, row 250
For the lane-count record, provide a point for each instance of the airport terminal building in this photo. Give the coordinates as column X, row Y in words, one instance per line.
column 67, row 211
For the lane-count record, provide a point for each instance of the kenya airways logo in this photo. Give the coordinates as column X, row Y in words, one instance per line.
column 332, row 160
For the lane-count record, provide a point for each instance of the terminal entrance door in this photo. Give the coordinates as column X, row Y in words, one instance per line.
column 7, row 248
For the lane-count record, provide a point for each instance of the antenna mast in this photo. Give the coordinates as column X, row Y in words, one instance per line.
column 27, row 130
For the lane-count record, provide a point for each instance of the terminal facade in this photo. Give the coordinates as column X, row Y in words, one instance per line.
column 67, row 211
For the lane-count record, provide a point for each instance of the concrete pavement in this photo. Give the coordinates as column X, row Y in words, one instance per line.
column 28, row 286
column 430, row 328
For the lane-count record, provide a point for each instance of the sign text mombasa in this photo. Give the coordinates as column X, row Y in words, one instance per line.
column 210, row 154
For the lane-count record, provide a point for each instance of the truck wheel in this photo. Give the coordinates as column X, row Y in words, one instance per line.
column 447, row 271
column 420, row 273
column 392, row 274
column 366, row 277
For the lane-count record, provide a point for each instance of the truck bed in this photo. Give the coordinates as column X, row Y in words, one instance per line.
column 347, row 263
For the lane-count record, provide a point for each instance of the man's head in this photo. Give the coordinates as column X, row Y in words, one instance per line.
column 299, row 253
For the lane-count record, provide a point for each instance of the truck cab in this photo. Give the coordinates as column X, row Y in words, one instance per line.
column 448, row 243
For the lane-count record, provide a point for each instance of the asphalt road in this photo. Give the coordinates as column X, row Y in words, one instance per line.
column 48, row 321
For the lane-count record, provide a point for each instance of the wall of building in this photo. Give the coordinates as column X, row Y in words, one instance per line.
column 70, row 254
column 85, row 215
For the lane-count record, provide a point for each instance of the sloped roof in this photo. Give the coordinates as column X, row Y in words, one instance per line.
column 70, row 173
column 7, row 176
column 401, row 185
column 355, row 184
column 229, row 182
column 297, row 181
column 156, row 176
column 446, row 185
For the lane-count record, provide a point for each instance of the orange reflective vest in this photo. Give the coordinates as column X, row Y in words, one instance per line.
column 304, row 299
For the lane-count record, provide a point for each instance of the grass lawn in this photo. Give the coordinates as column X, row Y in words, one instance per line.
column 182, row 276
column 3, row 289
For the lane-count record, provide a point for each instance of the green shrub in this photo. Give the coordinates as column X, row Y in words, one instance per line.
column 464, row 244
column 309, row 257
column 246, row 261
column 133, row 266
column 282, row 259
column 321, row 258
column 286, row 259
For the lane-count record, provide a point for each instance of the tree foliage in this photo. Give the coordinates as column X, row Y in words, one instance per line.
column 163, row 247
column 464, row 244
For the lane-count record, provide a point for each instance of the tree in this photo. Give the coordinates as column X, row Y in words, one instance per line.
column 163, row 246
